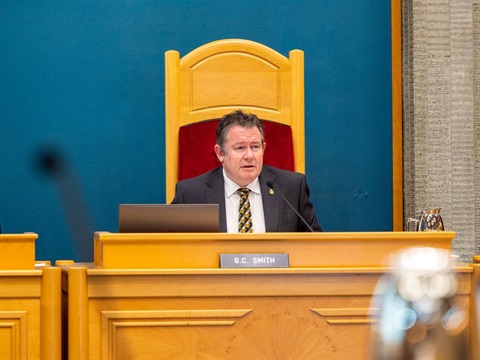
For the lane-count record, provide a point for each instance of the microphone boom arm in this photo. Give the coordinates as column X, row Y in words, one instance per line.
column 272, row 186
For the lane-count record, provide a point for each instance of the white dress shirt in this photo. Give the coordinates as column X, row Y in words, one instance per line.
column 232, row 202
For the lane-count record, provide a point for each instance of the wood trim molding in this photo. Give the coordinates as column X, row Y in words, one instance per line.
column 114, row 321
column 397, row 117
column 15, row 324
column 345, row 316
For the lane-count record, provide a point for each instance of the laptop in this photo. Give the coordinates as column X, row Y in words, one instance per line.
column 168, row 218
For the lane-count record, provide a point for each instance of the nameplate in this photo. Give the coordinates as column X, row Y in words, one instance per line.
column 254, row 261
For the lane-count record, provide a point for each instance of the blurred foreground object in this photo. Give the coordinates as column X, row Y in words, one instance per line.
column 418, row 315
column 52, row 161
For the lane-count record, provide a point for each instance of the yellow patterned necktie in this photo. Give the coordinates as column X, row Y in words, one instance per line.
column 244, row 213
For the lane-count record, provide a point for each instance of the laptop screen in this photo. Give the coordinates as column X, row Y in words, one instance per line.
column 167, row 218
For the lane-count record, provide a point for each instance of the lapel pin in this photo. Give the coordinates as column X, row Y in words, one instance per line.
column 271, row 192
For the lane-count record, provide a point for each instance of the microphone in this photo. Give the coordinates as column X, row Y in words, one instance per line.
column 272, row 186
column 52, row 162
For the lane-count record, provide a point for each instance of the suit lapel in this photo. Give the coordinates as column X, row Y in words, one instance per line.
column 271, row 205
column 215, row 194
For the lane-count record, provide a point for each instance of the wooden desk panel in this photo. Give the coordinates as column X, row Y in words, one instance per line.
column 218, row 314
column 30, row 314
column 30, row 295
column 17, row 251
column 475, row 308
column 202, row 250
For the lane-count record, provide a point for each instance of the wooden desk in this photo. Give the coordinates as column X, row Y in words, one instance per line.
column 176, row 311
column 17, row 251
column 30, row 308
column 475, row 308
column 201, row 250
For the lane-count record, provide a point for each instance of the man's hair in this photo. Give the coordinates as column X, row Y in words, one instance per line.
column 237, row 118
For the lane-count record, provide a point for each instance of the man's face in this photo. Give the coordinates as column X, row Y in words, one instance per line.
column 243, row 156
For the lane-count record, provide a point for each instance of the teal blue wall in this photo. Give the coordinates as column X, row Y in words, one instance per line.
column 82, row 86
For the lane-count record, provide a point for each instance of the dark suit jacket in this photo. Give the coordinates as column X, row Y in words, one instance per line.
column 209, row 188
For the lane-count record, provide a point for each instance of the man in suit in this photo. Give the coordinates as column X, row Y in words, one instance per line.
column 240, row 147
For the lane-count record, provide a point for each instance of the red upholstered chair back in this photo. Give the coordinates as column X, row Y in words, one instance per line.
column 196, row 154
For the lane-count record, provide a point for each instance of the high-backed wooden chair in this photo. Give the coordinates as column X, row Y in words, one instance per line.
column 222, row 76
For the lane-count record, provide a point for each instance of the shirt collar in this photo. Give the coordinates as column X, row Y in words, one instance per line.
column 231, row 187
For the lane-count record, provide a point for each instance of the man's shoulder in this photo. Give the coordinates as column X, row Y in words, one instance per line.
column 282, row 173
column 202, row 178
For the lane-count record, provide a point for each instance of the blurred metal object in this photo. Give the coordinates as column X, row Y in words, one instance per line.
column 417, row 314
column 412, row 224
column 430, row 220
